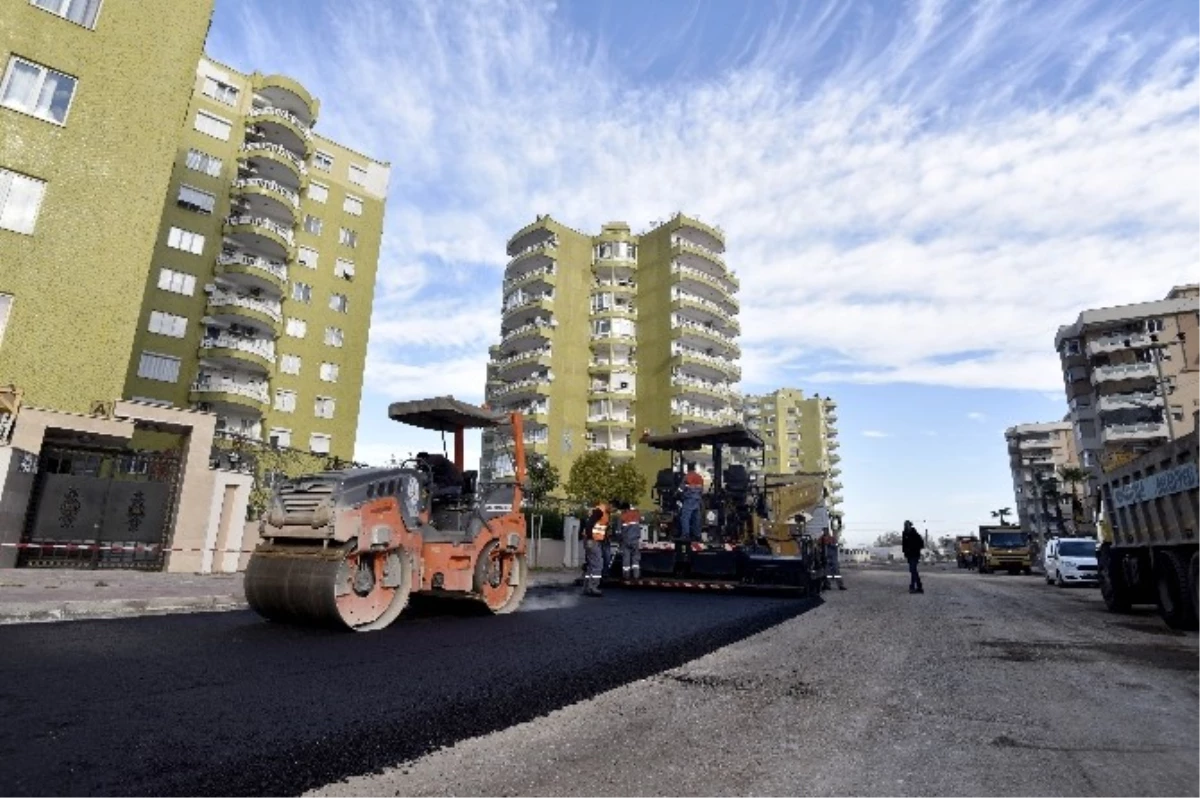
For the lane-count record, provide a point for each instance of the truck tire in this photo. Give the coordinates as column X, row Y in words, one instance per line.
column 1113, row 589
column 1175, row 606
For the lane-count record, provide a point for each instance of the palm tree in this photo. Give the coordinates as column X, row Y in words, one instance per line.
column 1073, row 477
column 1003, row 511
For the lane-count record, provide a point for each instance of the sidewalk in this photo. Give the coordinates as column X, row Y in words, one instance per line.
column 34, row 595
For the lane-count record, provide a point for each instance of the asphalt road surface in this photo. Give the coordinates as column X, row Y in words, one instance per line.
column 984, row 685
column 223, row 703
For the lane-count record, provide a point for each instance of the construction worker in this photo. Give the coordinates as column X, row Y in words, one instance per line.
column 911, row 544
column 689, row 509
column 833, row 569
column 606, row 553
column 631, row 542
column 595, row 530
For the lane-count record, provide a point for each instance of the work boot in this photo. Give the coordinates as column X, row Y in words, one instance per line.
column 636, row 571
column 840, row 585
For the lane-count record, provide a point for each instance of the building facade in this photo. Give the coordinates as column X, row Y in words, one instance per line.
column 87, row 144
column 1036, row 455
column 800, row 436
column 1130, row 374
column 606, row 336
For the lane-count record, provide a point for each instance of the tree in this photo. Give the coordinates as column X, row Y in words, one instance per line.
column 1073, row 477
column 1001, row 513
column 628, row 484
column 543, row 479
column 889, row 539
column 591, row 477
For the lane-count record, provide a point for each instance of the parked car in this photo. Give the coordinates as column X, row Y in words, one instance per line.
column 1071, row 561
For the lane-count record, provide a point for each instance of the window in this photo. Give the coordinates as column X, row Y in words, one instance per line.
column 344, row 268
column 302, row 292
column 323, row 161
column 312, row 224
column 289, row 364
column 1154, row 325
column 297, row 328
column 285, row 401
column 213, row 126
column 6, row 301
column 176, row 282
column 81, row 12
column 348, row 237
column 280, row 437
column 167, row 324
column 37, row 90
column 352, row 205
column 186, row 240
column 196, row 200
column 221, row 92
column 339, row 303
column 318, row 443
column 1071, row 346
column 161, row 368
column 307, row 257
column 318, row 192
column 334, row 336
column 1176, row 412
column 323, row 407
column 203, row 162
column 329, row 372
column 358, row 175
column 20, row 201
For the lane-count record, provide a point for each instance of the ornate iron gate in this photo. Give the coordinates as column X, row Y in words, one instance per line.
column 101, row 509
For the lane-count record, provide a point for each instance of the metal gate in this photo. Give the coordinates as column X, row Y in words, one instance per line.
column 101, row 509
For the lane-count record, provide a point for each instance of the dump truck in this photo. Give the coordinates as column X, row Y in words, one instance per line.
column 1004, row 548
column 966, row 550
column 1148, row 543
column 348, row 548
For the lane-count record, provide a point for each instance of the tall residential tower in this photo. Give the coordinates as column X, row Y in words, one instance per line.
column 1036, row 453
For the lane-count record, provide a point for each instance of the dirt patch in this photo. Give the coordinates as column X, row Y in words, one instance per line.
column 1162, row 657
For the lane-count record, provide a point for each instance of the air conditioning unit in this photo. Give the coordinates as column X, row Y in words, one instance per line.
column 209, row 288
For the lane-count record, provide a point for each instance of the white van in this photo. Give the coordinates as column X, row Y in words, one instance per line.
column 1071, row 561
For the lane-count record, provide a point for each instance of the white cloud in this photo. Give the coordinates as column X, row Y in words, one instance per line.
column 975, row 415
column 874, row 433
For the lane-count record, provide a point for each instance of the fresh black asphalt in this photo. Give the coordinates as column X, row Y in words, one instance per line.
column 224, row 703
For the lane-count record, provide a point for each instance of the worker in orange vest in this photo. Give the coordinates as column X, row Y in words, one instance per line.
column 594, row 531
column 690, row 524
column 631, row 542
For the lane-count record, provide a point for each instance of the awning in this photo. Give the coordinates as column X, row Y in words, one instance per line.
column 735, row 435
column 445, row 414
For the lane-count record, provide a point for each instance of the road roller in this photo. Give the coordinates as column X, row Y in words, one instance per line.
column 349, row 548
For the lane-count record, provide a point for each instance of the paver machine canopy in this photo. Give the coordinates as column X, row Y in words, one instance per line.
column 349, row 547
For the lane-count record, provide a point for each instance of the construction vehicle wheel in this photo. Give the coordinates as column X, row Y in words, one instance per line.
column 1171, row 580
column 1113, row 589
column 495, row 572
column 306, row 584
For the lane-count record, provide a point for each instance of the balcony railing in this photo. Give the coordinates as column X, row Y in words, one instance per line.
column 532, row 354
column 707, row 304
column 224, row 383
column 519, row 385
column 601, row 363
column 685, row 243
column 1127, row 401
column 515, row 281
column 719, row 389
column 271, row 307
column 269, row 185
column 263, row 347
column 609, row 418
column 270, row 110
column 1114, row 343
column 278, row 149
column 272, row 267
column 529, row 327
column 522, row 301
column 1127, row 371
column 545, row 244
column 261, row 221
column 708, row 331
column 724, row 364
column 724, row 416
column 704, row 277
column 1140, row 431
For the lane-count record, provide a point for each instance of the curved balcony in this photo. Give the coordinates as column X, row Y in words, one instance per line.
column 265, row 314
column 610, row 341
column 612, row 393
column 534, row 280
column 288, row 94
column 522, row 364
column 531, row 235
column 707, row 286
column 527, row 336
column 835, row 472
column 702, row 310
column 701, row 336
column 256, row 354
column 703, row 391
column 261, row 233
column 615, row 313
column 707, row 366
column 537, row 256
column 611, row 422
column 257, row 271
column 228, row 390
column 273, row 162
column 263, row 198
column 624, row 287
column 277, row 126
column 699, row 257
column 834, row 457
column 528, row 388
column 596, row 367
column 519, row 313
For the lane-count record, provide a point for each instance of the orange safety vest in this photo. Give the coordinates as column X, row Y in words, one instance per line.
column 600, row 530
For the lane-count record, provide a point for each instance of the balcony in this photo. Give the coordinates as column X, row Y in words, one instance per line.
column 262, row 233
column 832, row 444
column 261, row 272
column 267, row 312
column 835, row 486
column 698, row 281
column 682, row 248
column 834, row 457
column 835, row 472
column 606, row 366
column 273, row 162
column 701, row 336
column 1135, row 400
column 236, row 350
column 523, row 307
column 1126, row 371
column 528, row 336
column 701, row 310
column 607, row 390
column 530, row 386
column 830, row 404
column 705, row 365
column 229, row 388
column 1145, row 431
column 531, row 235
column 538, row 280
column 276, row 126
column 532, row 257
column 610, row 420
column 706, row 389
column 288, row 95
column 268, row 199
column 1116, row 343
column 531, row 361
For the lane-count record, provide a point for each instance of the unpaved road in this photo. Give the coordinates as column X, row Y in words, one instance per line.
column 984, row 685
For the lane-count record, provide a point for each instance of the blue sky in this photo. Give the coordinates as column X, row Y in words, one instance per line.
column 915, row 194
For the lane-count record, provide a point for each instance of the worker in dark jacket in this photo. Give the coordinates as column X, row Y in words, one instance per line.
column 631, row 542
column 594, row 531
column 911, row 544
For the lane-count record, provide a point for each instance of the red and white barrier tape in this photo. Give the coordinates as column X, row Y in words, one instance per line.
column 115, row 547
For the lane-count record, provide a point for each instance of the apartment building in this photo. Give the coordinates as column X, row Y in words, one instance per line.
column 87, row 143
column 1036, row 453
column 606, row 336
column 258, row 298
column 1130, row 374
column 800, row 436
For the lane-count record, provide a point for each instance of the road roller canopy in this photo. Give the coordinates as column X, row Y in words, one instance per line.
column 445, row 414
column 735, row 435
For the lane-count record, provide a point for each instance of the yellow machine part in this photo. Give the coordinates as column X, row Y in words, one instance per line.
column 787, row 495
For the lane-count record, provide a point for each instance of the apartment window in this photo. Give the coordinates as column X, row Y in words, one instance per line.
column 37, row 90
column 297, row 328
column 322, row 161
column 161, row 368
column 176, row 282
column 186, row 240
column 323, row 407
column 352, row 205
column 306, row 257
column 318, row 192
column 221, row 92
column 289, row 364
column 339, row 302
column 214, row 126
column 1177, row 412
column 1071, row 346
column 196, row 200
column 285, row 401
column 312, row 224
column 358, row 175
column 20, row 201
column 334, row 336
column 344, row 269
column 1154, row 325
column 302, row 292
column 280, row 437
column 329, row 372
column 6, row 301
column 168, row 324
column 81, row 12
column 203, row 162
column 348, row 237
column 318, row 443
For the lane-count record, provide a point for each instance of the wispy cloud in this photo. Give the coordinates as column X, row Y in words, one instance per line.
column 874, row 433
column 975, row 415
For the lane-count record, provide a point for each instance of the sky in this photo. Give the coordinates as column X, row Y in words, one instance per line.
column 915, row 195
